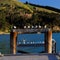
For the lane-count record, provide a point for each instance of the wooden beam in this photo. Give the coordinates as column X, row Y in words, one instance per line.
column 13, row 42
column 48, row 41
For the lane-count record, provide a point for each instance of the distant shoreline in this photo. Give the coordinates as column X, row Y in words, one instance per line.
column 1, row 32
column 4, row 33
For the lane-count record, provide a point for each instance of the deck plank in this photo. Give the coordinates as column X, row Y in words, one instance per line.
column 30, row 57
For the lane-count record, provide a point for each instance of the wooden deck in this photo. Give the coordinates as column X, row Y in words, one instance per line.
column 30, row 57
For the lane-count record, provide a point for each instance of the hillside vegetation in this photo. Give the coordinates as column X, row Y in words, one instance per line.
column 15, row 13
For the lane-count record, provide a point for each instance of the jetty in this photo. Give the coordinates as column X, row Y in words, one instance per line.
column 47, row 38
column 30, row 57
column 47, row 55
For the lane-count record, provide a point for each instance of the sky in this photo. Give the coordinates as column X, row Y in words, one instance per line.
column 52, row 3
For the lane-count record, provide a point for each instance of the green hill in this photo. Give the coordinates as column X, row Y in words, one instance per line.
column 14, row 3
column 44, row 8
column 13, row 12
column 29, row 6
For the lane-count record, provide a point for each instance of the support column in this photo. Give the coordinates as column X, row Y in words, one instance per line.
column 48, row 41
column 13, row 42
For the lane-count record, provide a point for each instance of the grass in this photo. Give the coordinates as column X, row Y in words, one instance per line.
column 16, row 3
column 25, row 6
column 46, row 10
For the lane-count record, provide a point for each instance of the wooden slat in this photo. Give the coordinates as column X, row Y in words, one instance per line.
column 22, row 31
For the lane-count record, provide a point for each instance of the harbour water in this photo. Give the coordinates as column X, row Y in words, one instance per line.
column 36, row 38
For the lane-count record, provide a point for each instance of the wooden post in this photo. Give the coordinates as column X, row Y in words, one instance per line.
column 13, row 42
column 48, row 41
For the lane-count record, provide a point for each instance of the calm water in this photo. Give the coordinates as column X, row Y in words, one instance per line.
column 5, row 42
